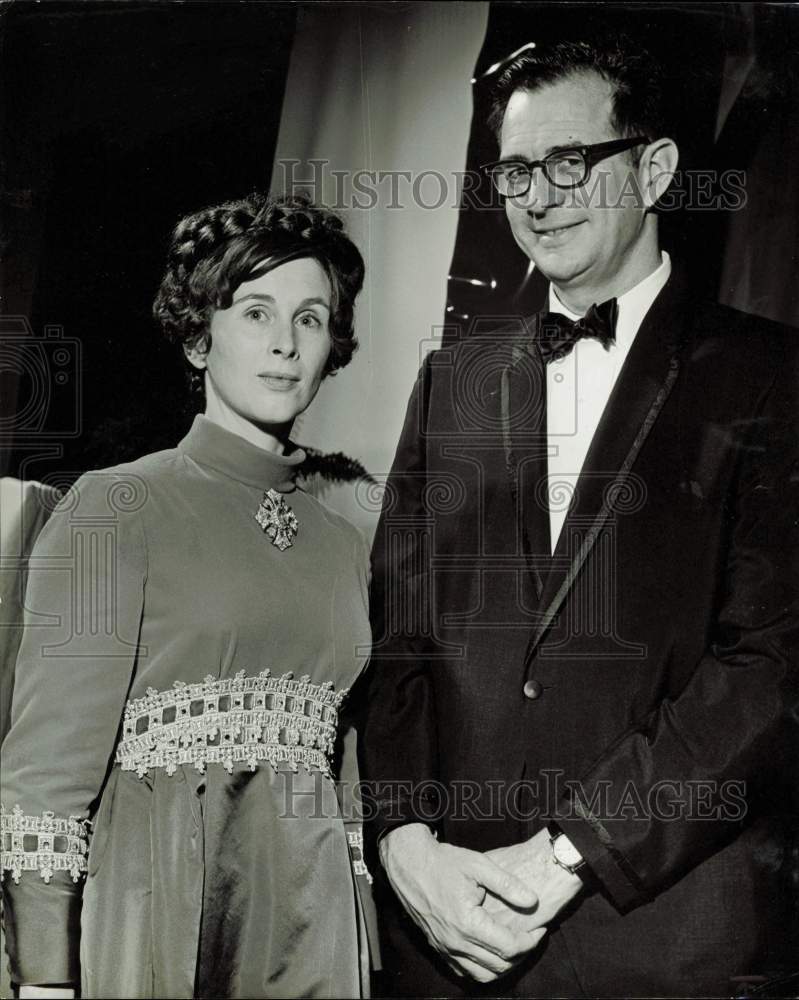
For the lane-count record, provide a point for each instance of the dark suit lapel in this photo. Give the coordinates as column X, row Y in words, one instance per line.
column 524, row 430
column 643, row 386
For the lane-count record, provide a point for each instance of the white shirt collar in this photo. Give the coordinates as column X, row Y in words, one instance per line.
column 633, row 305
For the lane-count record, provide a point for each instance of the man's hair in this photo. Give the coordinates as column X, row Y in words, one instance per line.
column 637, row 79
column 215, row 250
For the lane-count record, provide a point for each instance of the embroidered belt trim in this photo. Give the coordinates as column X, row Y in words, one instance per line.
column 355, row 844
column 233, row 719
column 43, row 844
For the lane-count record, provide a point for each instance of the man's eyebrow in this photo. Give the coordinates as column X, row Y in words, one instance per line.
column 560, row 148
column 576, row 144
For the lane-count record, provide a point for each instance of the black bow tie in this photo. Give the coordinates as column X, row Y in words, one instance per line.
column 557, row 334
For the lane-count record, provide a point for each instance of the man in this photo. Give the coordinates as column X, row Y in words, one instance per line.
column 584, row 686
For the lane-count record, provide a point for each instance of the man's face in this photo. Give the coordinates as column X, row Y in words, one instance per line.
column 586, row 236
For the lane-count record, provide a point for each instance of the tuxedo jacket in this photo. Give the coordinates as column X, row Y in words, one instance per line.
column 638, row 686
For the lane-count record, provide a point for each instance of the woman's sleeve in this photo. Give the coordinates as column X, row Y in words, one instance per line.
column 348, row 786
column 83, row 607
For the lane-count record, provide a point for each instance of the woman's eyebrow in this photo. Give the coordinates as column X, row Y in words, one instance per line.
column 314, row 301
column 261, row 296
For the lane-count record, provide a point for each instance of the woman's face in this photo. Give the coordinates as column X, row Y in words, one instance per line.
column 268, row 349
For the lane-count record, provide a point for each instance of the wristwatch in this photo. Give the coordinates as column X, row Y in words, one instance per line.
column 565, row 854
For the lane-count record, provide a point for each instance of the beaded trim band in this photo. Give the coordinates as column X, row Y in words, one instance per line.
column 229, row 720
column 355, row 843
column 43, row 844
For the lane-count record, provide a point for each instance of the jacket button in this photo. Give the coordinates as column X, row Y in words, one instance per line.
column 533, row 690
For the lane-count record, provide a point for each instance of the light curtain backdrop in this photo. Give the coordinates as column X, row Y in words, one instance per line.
column 381, row 87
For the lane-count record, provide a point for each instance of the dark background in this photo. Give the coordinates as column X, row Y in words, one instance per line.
column 118, row 117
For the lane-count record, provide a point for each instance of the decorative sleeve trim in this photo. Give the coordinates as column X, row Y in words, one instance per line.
column 355, row 843
column 43, row 844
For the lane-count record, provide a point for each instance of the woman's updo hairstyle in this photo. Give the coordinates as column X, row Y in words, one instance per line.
column 215, row 250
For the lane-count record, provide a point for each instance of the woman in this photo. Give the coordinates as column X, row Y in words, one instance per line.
column 194, row 621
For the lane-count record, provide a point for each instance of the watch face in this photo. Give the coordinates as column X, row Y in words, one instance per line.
column 566, row 852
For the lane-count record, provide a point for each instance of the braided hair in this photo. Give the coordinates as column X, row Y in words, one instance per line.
column 215, row 250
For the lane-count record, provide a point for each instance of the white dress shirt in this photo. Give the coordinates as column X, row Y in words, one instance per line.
column 579, row 386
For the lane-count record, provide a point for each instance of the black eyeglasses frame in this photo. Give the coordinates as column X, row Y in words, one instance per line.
column 591, row 155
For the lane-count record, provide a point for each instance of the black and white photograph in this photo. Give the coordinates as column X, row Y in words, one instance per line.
column 399, row 499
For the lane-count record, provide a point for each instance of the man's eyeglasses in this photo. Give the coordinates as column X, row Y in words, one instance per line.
column 565, row 168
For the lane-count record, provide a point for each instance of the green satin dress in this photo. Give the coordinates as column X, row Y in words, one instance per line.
column 171, row 781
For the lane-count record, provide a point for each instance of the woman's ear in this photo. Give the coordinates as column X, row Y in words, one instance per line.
column 657, row 169
column 197, row 352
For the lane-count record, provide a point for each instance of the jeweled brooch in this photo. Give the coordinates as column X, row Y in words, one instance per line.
column 277, row 519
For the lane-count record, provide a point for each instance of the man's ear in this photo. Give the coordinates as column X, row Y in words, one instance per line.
column 657, row 169
column 197, row 352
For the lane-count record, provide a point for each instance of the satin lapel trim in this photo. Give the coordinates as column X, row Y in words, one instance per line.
column 642, row 388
